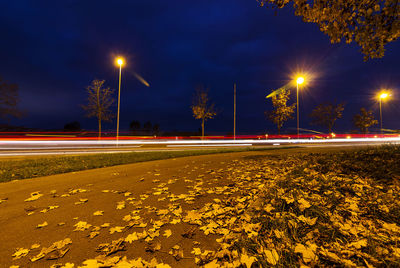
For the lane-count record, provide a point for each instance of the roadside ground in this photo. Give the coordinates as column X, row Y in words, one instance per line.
column 237, row 209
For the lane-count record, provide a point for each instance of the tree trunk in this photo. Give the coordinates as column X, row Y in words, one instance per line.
column 202, row 129
column 99, row 119
column 98, row 111
column 279, row 131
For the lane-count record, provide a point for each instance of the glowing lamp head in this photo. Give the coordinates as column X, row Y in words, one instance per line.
column 300, row 80
column 383, row 95
column 120, row 61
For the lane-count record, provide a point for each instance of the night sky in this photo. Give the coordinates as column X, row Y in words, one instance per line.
column 54, row 49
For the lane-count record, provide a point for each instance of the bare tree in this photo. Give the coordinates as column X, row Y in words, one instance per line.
column 8, row 99
column 201, row 108
column 100, row 99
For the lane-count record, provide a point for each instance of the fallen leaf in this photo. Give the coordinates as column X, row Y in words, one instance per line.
column 121, row 205
column 93, row 234
column 41, row 225
column 196, row 251
column 247, row 260
column 81, row 201
column 57, row 254
column 307, row 252
column 272, row 256
column 167, row 233
column 115, row 246
column 303, row 204
column 359, row 244
column 34, row 196
column 82, row 226
column 20, row 252
column 152, row 247
column 116, row 229
column 98, row 213
column 35, row 246
column 176, row 252
column 309, row 221
column 189, row 233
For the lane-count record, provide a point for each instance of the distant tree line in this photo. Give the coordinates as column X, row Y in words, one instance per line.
column 146, row 129
column 324, row 115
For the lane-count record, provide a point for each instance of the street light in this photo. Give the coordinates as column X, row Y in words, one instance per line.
column 382, row 96
column 299, row 81
column 120, row 62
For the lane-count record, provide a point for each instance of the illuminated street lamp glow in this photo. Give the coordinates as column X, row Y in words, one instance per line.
column 120, row 61
column 299, row 81
column 383, row 96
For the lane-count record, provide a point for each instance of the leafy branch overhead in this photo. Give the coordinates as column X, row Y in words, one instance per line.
column 371, row 24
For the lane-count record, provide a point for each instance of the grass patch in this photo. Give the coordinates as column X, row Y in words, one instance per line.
column 38, row 167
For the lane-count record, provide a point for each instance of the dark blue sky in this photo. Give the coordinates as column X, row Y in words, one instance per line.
column 53, row 49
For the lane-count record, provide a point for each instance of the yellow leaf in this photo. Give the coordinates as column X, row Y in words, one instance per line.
column 309, row 221
column 121, row 205
column 272, row 256
column 359, row 244
column 162, row 211
column 175, row 221
column 132, row 237
column 269, row 208
column 42, row 225
column 196, row 251
column 82, row 226
column 35, row 246
column 34, row 196
column 279, row 234
column 213, row 264
column 93, row 234
column 391, row 227
column 248, row 261
column 303, row 204
column 307, row 252
column 167, row 233
column 116, row 229
column 98, row 213
column 21, row 252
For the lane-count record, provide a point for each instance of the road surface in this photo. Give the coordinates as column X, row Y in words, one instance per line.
column 72, row 147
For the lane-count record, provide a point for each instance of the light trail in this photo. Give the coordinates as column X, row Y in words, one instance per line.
column 192, row 142
column 213, row 145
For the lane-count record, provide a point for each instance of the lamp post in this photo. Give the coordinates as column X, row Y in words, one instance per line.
column 381, row 97
column 120, row 62
column 299, row 81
